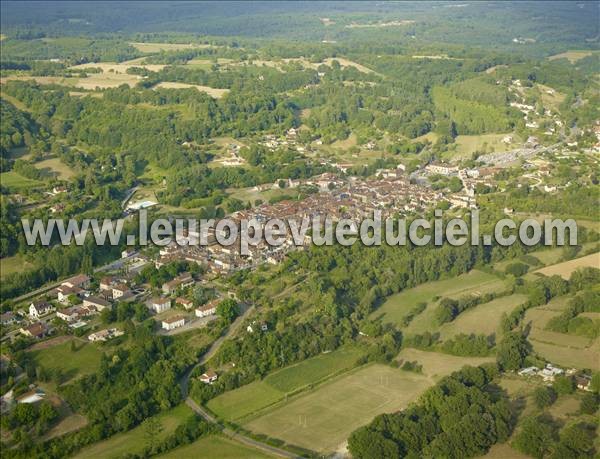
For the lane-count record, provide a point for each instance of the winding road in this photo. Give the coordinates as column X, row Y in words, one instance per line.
column 184, row 384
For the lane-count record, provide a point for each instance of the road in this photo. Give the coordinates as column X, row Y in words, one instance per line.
column 184, row 383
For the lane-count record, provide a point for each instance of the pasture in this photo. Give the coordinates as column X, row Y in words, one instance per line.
column 56, row 168
column 571, row 56
column 15, row 181
column 215, row 446
column 158, row 47
column 212, row 92
column 239, row 403
column 322, row 419
column 566, row 268
column 134, row 441
column 436, row 365
column 466, row 145
column 397, row 306
column 84, row 360
column 14, row 264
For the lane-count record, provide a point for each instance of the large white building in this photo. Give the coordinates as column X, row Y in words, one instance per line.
column 173, row 322
column 159, row 305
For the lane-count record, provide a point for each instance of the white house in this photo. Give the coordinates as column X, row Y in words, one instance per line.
column 550, row 372
column 209, row 377
column 161, row 304
column 97, row 303
column 104, row 335
column 173, row 322
column 208, row 309
column 39, row 308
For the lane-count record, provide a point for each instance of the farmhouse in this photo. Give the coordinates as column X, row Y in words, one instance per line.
column 160, row 304
column 39, row 308
column 209, row 377
column 173, row 322
column 208, row 309
column 37, row 330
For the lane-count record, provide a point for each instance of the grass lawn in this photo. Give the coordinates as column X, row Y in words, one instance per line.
column 322, row 419
column 436, row 364
column 135, row 440
column 55, row 167
column 397, row 306
column 213, row 447
column 466, row 145
column 15, row 181
column 241, row 402
column 85, row 360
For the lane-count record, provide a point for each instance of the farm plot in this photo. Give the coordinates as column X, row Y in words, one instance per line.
column 324, row 418
column 239, row 403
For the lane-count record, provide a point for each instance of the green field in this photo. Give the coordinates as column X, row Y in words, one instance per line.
column 397, row 306
column 466, row 145
column 134, row 441
column 85, row 360
column 436, row 365
column 241, row 402
column 322, row 419
column 15, row 181
column 55, row 167
column 14, row 264
column 213, row 447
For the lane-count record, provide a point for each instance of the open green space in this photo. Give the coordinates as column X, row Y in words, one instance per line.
column 213, row 447
column 16, row 181
column 85, row 359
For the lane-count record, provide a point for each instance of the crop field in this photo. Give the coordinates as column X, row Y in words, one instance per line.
column 84, row 360
column 566, row 268
column 323, row 419
column 135, row 440
column 213, row 92
column 55, row 167
column 215, row 446
column 244, row 401
column 436, row 365
column 482, row 319
column 397, row 306
column 569, row 356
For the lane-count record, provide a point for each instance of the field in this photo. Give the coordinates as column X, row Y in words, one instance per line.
column 135, row 440
column 55, row 167
column 84, row 360
column 466, row 145
column 212, row 447
column 566, row 268
column 114, row 67
column 14, row 264
column 242, row 402
column 437, row 365
column 397, row 306
column 323, row 419
column 13, row 180
column 572, row 56
column 213, row 92
column 157, row 47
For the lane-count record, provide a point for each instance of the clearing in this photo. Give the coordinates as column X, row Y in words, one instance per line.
column 56, row 168
column 214, row 446
column 14, row 264
column 134, row 441
column 324, row 418
column 213, row 92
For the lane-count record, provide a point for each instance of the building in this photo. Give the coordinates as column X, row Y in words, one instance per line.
column 32, row 396
column 120, row 291
column 529, row 371
column 182, row 281
column 97, row 303
column 160, row 304
column 208, row 309
column 173, row 322
column 39, row 308
column 8, row 318
column 106, row 283
column 209, row 377
column 187, row 304
column 583, row 382
column 37, row 330
column 550, row 372
column 80, row 281
column 64, row 291
column 105, row 335
column 442, row 169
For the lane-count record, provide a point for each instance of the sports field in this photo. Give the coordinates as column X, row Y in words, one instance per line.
column 213, row 447
column 397, row 306
column 133, row 441
column 239, row 403
column 323, row 419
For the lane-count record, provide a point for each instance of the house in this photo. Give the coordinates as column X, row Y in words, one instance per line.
column 550, row 372
column 583, row 382
column 208, row 309
column 104, row 335
column 37, row 330
column 187, row 304
column 209, row 377
column 160, row 304
column 529, row 371
column 120, row 290
column 8, row 318
column 65, row 291
column 106, row 283
column 173, row 322
column 32, row 396
column 182, row 281
column 68, row 314
column 39, row 308
column 264, row 326
column 80, row 281
column 249, row 329
column 94, row 302
column 59, row 189
column 440, row 168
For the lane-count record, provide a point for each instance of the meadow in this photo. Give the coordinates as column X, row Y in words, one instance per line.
column 566, row 268
column 322, row 419
column 14, row 264
column 213, row 92
column 437, row 365
column 397, row 306
column 134, row 441
column 56, row 168
column 16, row 181
column 246, row 400
column 214, row 446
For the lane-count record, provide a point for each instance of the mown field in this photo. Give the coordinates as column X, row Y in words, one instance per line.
column 397, row 306
column 436, row 365
column 239, row 403
column 322, row 419
column 55, row 167
column 15, row 181
column 213, row 447
column 84, row 360
column 133, row 441
column 566, row 268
